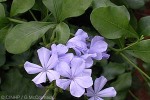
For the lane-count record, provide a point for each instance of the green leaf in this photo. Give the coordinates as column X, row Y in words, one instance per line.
column 2, row 0
column 122, row 84
column 144, row 26
column 109, row 24
column 63, row 9
column 62, row 32
column 112, row 70
column 21, row 6
column 15, row 84
column 2, row 55
column 135, row 4
column 21, row 37
column 141, row 50
column 2, row 11
column 102, row 3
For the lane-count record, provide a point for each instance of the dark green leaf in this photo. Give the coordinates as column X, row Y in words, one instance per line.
column 135, row 4
column 144, row 26
column 109, row 24
column 2, row 11
column 2, row 0
column 112, row 70
column 63, row 9
column 62, row 32
column 2, row 55
column 141, row 50
column 122, row 84
column 102, row 3
column 15, row 84
column 21, row 6
column 21, row 37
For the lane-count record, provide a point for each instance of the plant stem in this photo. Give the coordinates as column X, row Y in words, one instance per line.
column 133, row 95
column 33, row 15
column 16, row 21
column 136, row 67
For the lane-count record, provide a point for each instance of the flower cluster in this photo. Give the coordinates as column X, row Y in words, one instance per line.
column 72, row 71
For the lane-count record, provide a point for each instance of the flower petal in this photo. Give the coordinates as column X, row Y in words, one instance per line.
column 84, row 81
column 87, row 72
column 90, row 92
column 66, row 57
column 32, row 68
column 83, row 35
column 76, row 90
column 98, row 47
column 95, row 98
column 108, row 92
column 96, row 39
column 63, row 83
column 77, row 66
column 52, row 75
column 105, row 55
column 99, row 83
column 61, row 49
column 44, row 55
column 52, row 61
column 40, row 78
column 64, row 69
column 88, row 63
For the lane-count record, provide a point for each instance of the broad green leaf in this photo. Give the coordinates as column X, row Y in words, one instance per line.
column 2, row 55
column 21, row 37
column 21, row 6
column 15, row 84
column 2, row 0
column 102, row 3
column 63, row 9
column 3, row 33
column 2, row 11
column 112, row 22
column 112, row 70
column 141, row 50
column 62, row 32
column 122, row 84
column 144, row 26
column 135, row 4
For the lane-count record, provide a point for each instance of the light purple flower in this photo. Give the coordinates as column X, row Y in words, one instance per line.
column 97, row 93
column 78, row 43
column 98, row 47
column 75, row 77
column 61, row 51
column 48, row 61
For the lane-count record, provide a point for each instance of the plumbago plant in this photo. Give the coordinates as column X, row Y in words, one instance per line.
column 73, row 49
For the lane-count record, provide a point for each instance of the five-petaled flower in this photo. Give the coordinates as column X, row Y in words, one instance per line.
column 48, row 61
column 97, row 93
column 74, row 77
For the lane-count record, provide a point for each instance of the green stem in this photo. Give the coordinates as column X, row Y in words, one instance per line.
column 136, row 67
column 16, row 21
column 33, row 15
column 55, row 93
column 133, row 95
column 44, row 40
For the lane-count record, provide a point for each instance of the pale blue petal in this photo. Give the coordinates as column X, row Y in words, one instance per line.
column 52, row 61
column 95, row 98
column 44, row 55
column 52, row 75
column 63, row 83
column 99, row 56
column 66, row 57
column 77, row 66
column 96, row 39
column 64, row 69
column 87, row 72
column 90, row 92
column 88, row 63
column 98, row 47
column 84, row 81
column 40, row 78
column 76, row 90
column 83, row 35
column 99, row 83
column 108, row 92
column 105, row 55
column 61, row 49
column 32, row 68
